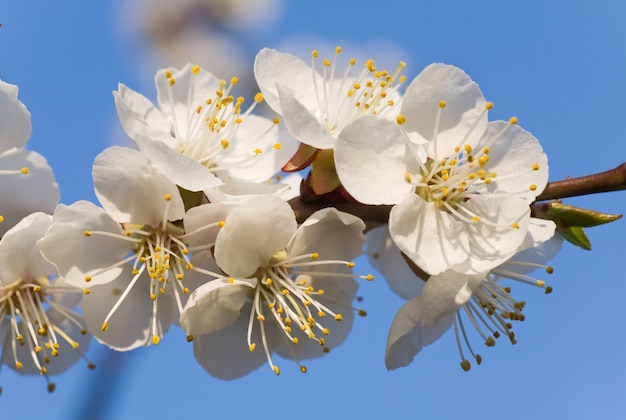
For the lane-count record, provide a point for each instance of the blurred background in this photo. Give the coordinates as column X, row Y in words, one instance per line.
column 560, row 67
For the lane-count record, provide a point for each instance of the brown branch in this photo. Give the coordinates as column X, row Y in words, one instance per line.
column 612, row 180
column 307, row 204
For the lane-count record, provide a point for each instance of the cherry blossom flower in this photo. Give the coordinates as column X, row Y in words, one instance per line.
column 39, row 331
column 199, row 133
column 134, row 257
column 461, row 187
column 450, row 297
column 284, row 289
column 27, row 183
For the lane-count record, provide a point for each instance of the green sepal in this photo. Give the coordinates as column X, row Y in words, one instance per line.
column 191, row 198
column 324, row 178
column 576, row 216
column 574, row 235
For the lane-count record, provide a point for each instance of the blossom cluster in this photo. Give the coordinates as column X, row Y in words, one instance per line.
column 194, row 226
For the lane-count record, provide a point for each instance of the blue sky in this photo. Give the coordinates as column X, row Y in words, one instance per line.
column 560, row 67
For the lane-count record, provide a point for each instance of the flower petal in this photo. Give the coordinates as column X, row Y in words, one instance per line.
column 464, row 108
column 215, row 305
column 15, row 126
column 253, row 233
column 371, row 161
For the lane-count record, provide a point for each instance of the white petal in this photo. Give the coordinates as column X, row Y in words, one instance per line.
column 225, row 354
column 431, row 238
column 464, row 105
column 180, row 169
column 407, row 335
column 215, row 305
column 253, row 233
column 444, row 293
column 371, row 161
column 26, row 193
column 132, row 190
column 199, row 217
column 330, row 233
column 513, row 157
column 302, row 121
column 272, row 67
column 15, row 124
column 75, row 255
column 385, row 257
column 131, row 325
column 137, row 114
column 19, row 256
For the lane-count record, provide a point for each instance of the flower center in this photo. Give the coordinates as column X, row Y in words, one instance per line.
column 24, row 305
column 492, row 310
column 343, row 100
column 286, row 293
column 211, row 126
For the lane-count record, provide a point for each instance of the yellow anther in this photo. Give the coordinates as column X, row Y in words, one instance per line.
column 168, row 74
column 37, row 288
column 258, row 151
column 195, row 69
column 465, row 365
column 320, row 291
column 338, row 317
column 315, row 256
column 515, row 226
column 489, row 105
column 269, row 282
column 172, row 81
column 513, row 120
column 361, row 312
column 156, row 339
column 350, row 264
column 258, row 97
column 369, row 277
column 234, row 80
column 221, row 224
column 549, row 270
column 105, row 326
column 285, row 292
column 185, row 290
column 86, row 291
column 153, row 296
column 38, row 349
column 277, row 146
column 19, row 365
column 535, row 166
column 442, row 104
column 407, row 177
column 252, row 347
column 326, row 62
column 1, row 218
column 87, row 278
column 303, row 369
column 260, row 318
column 167, row 197
column 475, row 219
column 24, row 170
column 276, row 120
column 87, row 233
column 541, row 283
column 314, row 53
column 352, row 61
column 400, row 119
column 338, row 49
column 276, row 370
column 225, row 143
column 294, row 340
column 532, row 187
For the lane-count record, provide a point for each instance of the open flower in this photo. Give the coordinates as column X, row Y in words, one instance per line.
column 285, row 289
column 449, row 298
column 40, row 333
column 27, row 184
column 199, row 132
column 461, row 186
column 134, row 257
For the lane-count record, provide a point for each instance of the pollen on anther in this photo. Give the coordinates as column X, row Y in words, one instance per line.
column 369, row 277
column 87, row 233
column 338, row 317
column 489, row 105
column 234, row 80
column 513, row 120
column 105, row 326
column 156, row 339
column 338, row 50
column 400, row 119
column 276, row 370
column 277, row 146
column 442, row 104
column 351, row 264
column 549, row 270
column 258, row 97
column 168, row 74
column 465, row 365
column 86, row 291
column 172, row 81
column 24, row 170
column 532, row 187
column 515, row 226
column 535, row 166
column 195, row 69
column 277, row 120
column 315, row 54
column 87, row 278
